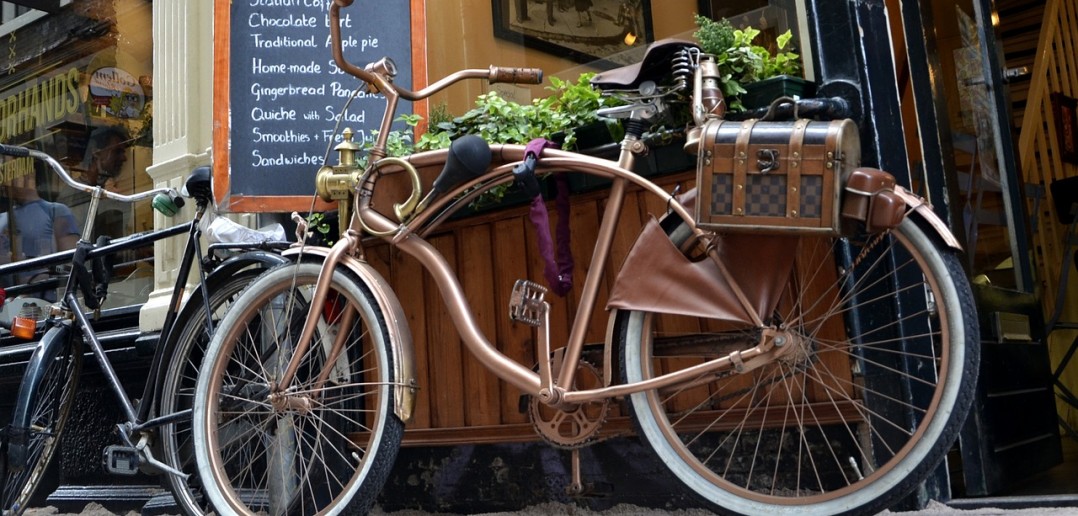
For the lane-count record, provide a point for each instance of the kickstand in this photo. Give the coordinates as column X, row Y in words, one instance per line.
column 576, row 486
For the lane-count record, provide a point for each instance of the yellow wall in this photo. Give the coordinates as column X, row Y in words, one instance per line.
column 448, row 51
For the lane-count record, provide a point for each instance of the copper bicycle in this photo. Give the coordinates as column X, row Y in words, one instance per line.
column 787, row 371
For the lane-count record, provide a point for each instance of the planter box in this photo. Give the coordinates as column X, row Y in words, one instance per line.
column 668, row 158
column 760, row 94
column 593, row 135
column 513, row 197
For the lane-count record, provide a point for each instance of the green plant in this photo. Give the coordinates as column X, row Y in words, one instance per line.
column 574, row 105
column 400, row 142
column 741, row 61
column 714, row 36
column 569, row 106
column 319, row 228
column 440, row 113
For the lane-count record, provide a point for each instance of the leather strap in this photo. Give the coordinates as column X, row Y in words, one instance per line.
column 831, row 145
column 793, row 176
column 741, row 165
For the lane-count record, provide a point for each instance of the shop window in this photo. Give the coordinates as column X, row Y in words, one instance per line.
column 586, row 31
column 9, row 11
column 92, row 111
column 14, row 15
column 771, row 17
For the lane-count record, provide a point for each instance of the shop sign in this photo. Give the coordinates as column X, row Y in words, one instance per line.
column 279, row 94
column 114, row 92
column 42, row 102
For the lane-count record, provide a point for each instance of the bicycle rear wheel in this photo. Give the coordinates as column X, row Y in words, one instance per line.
column 178, row 390
column 327, row 441
column 880, row 379
column 48, row 399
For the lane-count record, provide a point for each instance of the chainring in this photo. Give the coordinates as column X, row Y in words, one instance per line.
column 573, row 428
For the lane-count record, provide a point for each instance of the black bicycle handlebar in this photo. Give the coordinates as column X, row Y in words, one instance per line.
column 23, row 152
column 785, row 108
column 12, row 150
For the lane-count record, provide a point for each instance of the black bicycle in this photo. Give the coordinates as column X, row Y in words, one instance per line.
column 159, row 420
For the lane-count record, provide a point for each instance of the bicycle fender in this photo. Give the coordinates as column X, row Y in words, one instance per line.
column 400, row 336
column 233, row 264
column 50, row 346
column 920, row 206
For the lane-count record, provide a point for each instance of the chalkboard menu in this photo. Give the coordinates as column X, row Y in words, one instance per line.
column 285, row 94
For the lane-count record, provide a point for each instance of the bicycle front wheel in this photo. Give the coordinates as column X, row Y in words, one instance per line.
column 191, row 336
column 45, row 403
column 854, row 416
column 325, row 442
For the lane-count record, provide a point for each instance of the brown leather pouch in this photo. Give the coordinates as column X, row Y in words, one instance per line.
column 870, row 198
column 657, row 277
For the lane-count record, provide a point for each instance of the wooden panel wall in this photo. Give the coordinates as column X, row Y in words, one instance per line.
column 459, row 400
column 1055, row 70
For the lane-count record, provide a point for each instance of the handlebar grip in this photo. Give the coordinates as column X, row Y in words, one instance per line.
column 168, row 205
column 13, row 150
column 516, row 75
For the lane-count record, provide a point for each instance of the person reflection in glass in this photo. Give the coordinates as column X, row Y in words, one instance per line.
column 33, row 227
column 106, row 153
column 102, row 164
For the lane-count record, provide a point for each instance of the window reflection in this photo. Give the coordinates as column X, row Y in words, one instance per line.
column 88, row 104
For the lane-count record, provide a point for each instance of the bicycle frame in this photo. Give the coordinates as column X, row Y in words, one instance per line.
column 69, row 310
column 808, row 412
column 408, row 239
column 138, row 415
column 407, row 236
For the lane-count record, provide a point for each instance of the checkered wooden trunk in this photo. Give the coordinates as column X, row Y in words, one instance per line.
column 774, row 176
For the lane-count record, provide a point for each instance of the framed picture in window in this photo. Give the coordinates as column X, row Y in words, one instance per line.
column 603, row 32
column 1065, row 110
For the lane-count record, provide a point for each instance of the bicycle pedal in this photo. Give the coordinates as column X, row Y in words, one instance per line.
column 526, row 303
column 120, row 460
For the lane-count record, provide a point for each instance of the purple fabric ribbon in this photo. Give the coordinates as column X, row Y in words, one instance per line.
column 559, row 272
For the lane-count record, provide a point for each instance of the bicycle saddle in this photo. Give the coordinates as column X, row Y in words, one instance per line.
column 655, row 65
column 199, row 185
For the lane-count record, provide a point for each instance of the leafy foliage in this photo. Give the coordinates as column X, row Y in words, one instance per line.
column 558, row 116
column 714, row 36
column 570, row 105
column 319, row 228
column 400, row 142
column 741, row 61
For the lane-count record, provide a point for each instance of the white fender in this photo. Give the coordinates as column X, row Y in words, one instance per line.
column 400, row 336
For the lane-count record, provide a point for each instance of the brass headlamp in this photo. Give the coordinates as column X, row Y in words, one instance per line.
column 338, row 183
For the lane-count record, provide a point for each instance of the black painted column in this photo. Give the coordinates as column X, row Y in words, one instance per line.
column 854, row 59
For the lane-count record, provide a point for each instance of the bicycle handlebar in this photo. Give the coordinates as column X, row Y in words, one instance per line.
column 833, row 108
column 23, row 152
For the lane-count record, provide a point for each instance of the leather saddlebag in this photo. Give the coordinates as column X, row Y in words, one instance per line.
column 774, row 176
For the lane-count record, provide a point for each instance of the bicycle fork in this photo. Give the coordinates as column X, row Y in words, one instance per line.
column 20, row 432
column 278, row 394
